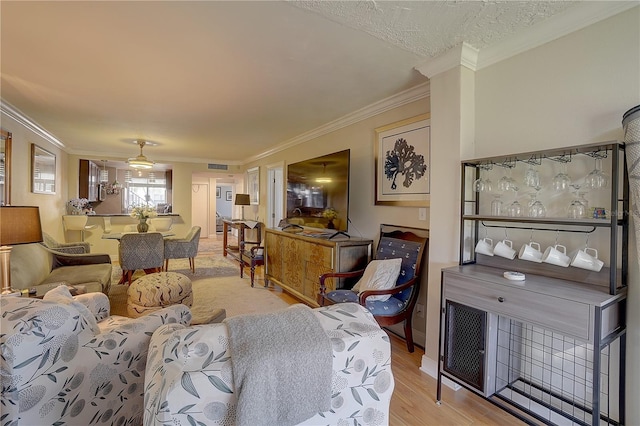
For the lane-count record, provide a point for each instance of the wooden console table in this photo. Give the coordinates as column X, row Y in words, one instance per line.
column 241, row 226
column 296, row 261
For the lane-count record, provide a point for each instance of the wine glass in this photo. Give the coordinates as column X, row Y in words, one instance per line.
column 561, row 181
column 597, row 178
column 515, row 208
column 506, row 182
column 536, row 208
column 577, row 210
column 531, row 177
column 482, row 185
column 496, row 205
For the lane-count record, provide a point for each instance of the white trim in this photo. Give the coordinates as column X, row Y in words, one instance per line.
column 29, row 124
column 462, row 54
column 410, row 95
column 430, row 367
column 573, row 19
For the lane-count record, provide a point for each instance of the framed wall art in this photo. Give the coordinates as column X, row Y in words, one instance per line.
column 43, row 171
column 253, row 185
column 217, row 192
column 402, row 162
column 229, row 196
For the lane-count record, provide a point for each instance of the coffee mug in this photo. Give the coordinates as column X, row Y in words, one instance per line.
column 531, row 252
column 582, row 259
column 556, row 255
column 505, row 249
column 485, row 246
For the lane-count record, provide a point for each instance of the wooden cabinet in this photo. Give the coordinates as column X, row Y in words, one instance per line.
column 89, row 180
column 296, row 261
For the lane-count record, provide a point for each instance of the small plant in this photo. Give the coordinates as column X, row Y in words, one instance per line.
column 143, row 212
column 330, row 213
column 78, row 203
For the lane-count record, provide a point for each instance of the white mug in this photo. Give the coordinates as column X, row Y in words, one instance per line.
column 582, row 259
column 556, row 256
column 531, row 252
column 505, row 249
column 485, row 246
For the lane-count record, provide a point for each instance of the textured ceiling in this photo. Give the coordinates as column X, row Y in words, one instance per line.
column 213, row 81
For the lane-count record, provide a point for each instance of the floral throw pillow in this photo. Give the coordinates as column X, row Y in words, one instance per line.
column 379, row 275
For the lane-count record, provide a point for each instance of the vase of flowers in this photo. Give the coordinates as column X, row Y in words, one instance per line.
column 142, row 213
column 77, row 205
column 331, row 214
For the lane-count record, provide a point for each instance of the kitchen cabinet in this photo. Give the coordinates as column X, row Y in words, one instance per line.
column 89, row 180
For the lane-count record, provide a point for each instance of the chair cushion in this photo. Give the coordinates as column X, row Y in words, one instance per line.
column 389, row 307
column 379, row 275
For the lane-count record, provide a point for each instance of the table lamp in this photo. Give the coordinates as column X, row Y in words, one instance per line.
column 242, row 200
column 18, row 225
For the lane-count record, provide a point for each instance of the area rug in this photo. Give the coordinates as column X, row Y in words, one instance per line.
column 230, row 292
column 209, row 266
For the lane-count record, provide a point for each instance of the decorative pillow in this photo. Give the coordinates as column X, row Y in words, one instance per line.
column 379, row 275
column 62, row 295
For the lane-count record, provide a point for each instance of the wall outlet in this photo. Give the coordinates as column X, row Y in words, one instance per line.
column 420, row 310
column 422, row 213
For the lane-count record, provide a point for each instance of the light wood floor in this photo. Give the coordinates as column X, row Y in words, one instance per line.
column 413, row 401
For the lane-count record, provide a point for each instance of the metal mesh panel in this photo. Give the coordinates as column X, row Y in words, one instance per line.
column 464, row 343
column 551, row 375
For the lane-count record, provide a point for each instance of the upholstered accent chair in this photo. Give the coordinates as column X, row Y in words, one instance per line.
column 140, row 251
column 392, row 303
column 183, row 248
column 65, row 360
column 68, row 248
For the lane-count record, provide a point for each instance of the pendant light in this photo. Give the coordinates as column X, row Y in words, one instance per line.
column 140, row 162
column 104, row 173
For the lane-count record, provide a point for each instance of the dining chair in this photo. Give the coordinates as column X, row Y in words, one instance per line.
column 140, row 251
column 183, row 248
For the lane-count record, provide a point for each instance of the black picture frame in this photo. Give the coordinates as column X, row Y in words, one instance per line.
column 218, row 192
column 229, row 196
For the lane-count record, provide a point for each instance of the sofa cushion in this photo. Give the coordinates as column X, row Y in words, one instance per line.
column 82, row 274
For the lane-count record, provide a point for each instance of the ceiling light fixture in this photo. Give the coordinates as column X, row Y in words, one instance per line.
column 140, row 162
column 104, row 173
column 324, row 178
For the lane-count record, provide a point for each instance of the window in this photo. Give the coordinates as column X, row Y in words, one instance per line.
column 146, row 188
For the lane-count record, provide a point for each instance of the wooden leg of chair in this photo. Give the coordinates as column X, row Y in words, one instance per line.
column 166, row 265
column 192, row 264
column 408, row 333
column 241, row 268
column 253, row 272
column 129, row 276
column 123, row 278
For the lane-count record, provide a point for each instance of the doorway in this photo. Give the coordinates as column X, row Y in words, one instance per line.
column 275, row 192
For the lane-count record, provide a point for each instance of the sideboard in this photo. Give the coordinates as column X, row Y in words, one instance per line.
column 296, row 261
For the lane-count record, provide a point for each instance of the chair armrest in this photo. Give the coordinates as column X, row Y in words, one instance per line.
column 97, row 303
column 351, row 274
column 71, row 248
column 254, row 249
column 393, row 290
column 61, row 259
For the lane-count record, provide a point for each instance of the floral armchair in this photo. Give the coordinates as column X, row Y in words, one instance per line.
column 189, row 378
column 64, row 360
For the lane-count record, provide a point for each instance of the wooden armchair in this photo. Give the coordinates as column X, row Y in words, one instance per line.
column 396, row 242
column 252, row 257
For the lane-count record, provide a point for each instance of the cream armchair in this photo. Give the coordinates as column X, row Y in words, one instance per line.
column 189, row 378
column 66, row 361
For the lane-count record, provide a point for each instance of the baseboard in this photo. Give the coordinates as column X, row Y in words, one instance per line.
column 430, row 366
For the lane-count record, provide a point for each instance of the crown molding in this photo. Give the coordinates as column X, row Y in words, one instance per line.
column 462, row 54
column 574, row 19
column 29, row 124
column 405, row 97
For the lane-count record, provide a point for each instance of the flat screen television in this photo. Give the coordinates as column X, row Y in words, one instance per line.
column 318, row 192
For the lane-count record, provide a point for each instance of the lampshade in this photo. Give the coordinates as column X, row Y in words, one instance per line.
column 19, row 225
column 242, row 200
column 140, row 162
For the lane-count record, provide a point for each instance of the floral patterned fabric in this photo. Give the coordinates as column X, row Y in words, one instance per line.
column 155, row 291
column 189, row 378
column 56, row 370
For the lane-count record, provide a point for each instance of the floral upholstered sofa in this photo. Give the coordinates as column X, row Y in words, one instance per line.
column 189, row 378
column 65, row 361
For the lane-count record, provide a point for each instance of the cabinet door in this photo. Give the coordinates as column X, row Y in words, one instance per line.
column 318, row 262
column 274, row 255
column 294, row 253
column 464, row 343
